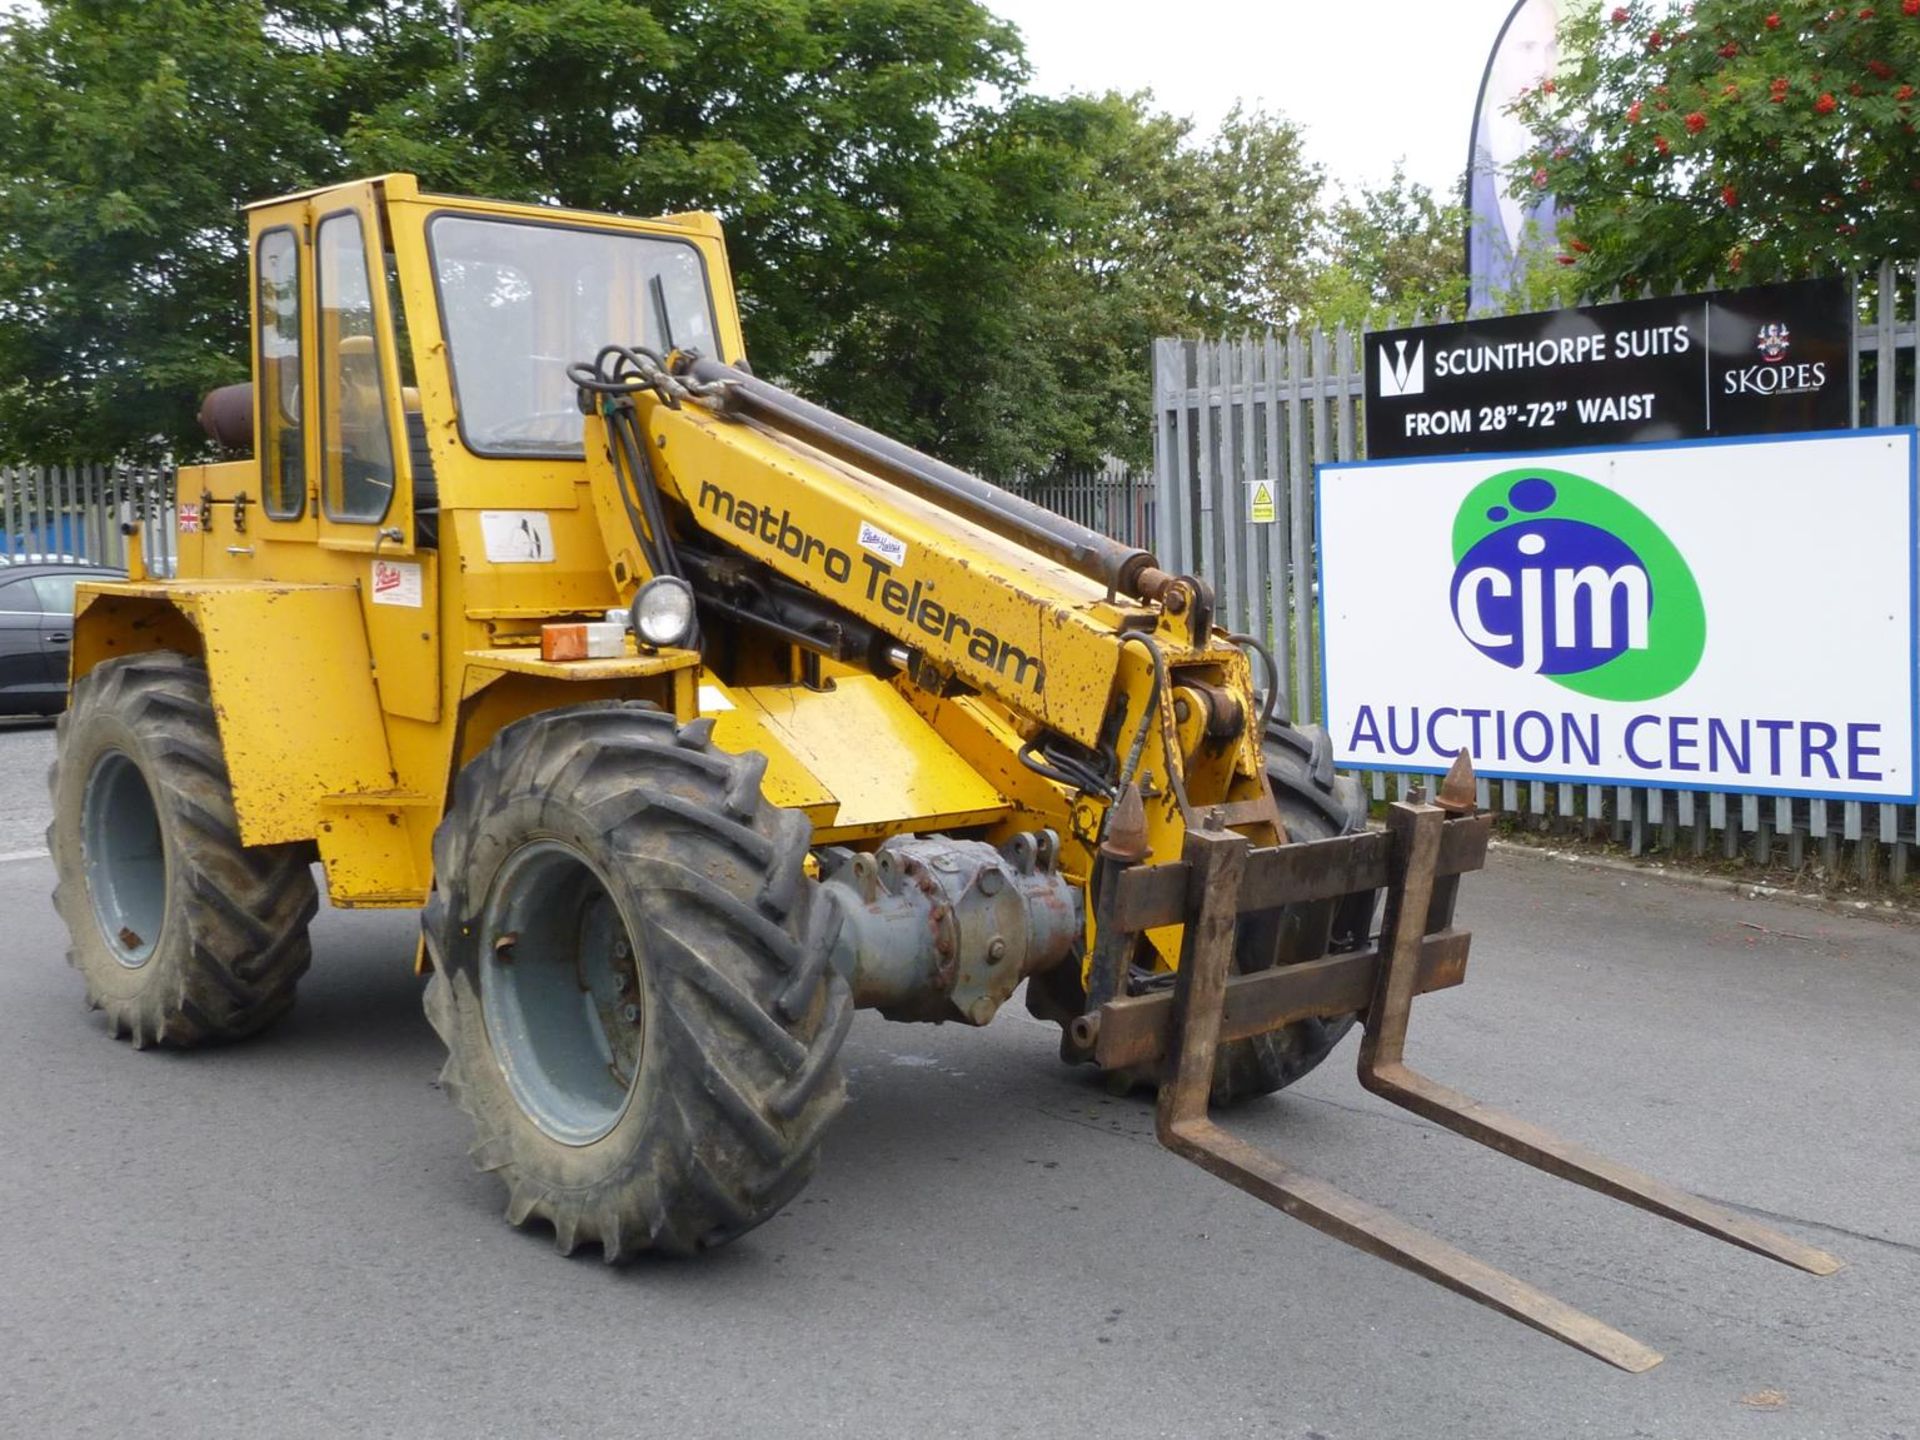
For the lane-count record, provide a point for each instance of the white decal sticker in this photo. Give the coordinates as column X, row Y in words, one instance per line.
column 517, row 537
column 879, row 542
column 713, row 700
column 395, row 582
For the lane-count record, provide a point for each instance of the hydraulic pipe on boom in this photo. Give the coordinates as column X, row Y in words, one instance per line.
column 1123, row 569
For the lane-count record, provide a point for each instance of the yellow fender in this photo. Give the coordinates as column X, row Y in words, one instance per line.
column 292, row 680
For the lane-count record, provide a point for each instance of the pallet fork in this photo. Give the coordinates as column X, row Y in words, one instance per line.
column 1419, row 859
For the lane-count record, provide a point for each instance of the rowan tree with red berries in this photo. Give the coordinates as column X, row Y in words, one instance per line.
column 1730, row 139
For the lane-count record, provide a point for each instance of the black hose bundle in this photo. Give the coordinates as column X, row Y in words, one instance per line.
column 607, row 385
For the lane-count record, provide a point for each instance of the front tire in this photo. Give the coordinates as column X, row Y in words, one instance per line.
column 182, row 934
column 631, row 983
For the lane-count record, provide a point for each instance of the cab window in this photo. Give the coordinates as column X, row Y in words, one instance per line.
column 356, row 465
column 282, row 439
column 520, row 301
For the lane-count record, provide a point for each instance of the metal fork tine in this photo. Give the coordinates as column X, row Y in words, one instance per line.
column 1336, row 1213
column 1416, row 831
column 1217, row 861
column 1544, row 1150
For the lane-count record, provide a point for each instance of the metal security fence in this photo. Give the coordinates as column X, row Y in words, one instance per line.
column 1241, row 422
column 80, row 512
column 1117, row 500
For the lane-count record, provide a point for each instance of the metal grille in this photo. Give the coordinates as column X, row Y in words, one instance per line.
column 1117, row 501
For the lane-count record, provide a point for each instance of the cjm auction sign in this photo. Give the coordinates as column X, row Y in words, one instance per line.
column 1615, row 615
column 1771, row 359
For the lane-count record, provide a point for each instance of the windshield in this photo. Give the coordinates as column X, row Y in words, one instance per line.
column 520, row 302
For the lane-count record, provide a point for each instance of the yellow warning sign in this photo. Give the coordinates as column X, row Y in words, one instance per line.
column 1260, row 501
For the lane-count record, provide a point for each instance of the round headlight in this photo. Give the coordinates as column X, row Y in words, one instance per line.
column 663, row 611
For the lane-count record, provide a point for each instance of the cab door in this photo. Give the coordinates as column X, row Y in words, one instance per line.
column 283, row 370
column 371, row 500
column 365, row 482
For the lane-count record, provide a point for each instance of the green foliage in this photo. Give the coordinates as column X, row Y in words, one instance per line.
column 1392, row 250
column 121, row 295
column 917, row 240
column 1724, row 139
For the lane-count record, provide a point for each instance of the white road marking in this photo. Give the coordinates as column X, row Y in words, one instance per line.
column 22, row 855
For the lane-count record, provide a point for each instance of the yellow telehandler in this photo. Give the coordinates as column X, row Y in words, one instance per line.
column 693, row 716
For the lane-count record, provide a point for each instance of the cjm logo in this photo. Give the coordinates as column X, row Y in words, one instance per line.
column 1538, row 616
column 1559, row 577
column 1401, row 374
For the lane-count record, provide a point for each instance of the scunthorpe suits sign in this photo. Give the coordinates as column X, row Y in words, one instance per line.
column 1730, row 615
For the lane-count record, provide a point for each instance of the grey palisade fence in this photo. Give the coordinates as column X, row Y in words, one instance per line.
column 82, row 512
column 1266, row 408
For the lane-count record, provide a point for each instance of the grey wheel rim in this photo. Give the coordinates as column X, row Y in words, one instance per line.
column 126, row 858
column 560, row 991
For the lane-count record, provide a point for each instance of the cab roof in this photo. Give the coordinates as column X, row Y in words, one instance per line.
column 400, row 185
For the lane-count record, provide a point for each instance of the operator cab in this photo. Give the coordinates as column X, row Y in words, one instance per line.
column 406, row 345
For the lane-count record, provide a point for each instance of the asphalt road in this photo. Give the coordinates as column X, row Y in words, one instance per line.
column 285, row 1238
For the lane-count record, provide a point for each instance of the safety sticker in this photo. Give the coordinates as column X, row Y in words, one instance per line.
column 395, row 582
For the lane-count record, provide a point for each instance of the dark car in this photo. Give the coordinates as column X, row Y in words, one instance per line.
column 36, row 631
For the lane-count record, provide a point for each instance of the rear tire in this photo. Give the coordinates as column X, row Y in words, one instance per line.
column 631, row 980
column 1315, row 804
column 182, row 934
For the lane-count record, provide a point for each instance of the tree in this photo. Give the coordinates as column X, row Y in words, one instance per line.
column 1139, row 229
column 816, row 129
column 1730, row 138
column 917, row 240
column 1393, row 248
column 130, row 135
column 1208, row 231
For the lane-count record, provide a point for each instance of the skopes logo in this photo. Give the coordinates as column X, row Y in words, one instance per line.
column 1401, row 374
column 1773, row 376
column 1555, row 575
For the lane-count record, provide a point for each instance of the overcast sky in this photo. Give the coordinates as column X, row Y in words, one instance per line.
column 1371, row 81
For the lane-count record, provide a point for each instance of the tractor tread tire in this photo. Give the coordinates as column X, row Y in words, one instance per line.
column 739, row 1070
column 1315, row 803
column 233, row 942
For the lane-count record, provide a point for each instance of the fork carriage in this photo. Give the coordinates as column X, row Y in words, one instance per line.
column 1418, row 859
